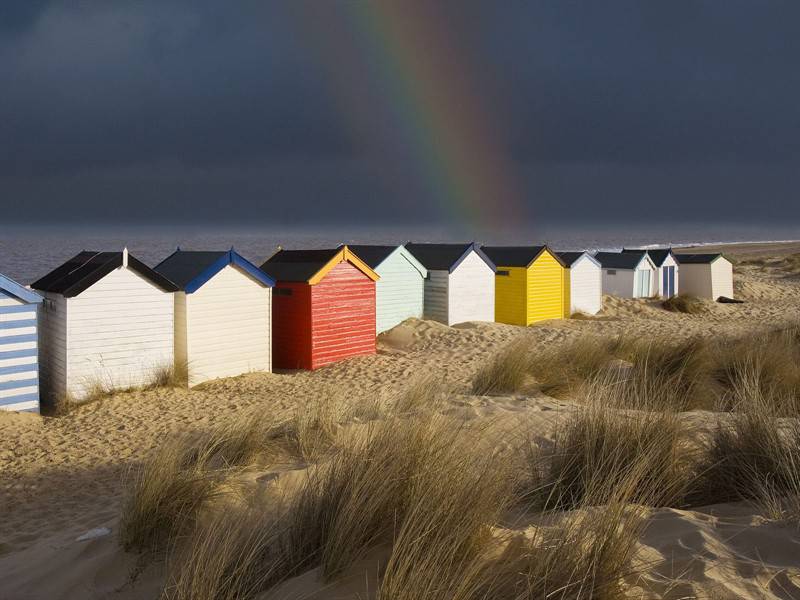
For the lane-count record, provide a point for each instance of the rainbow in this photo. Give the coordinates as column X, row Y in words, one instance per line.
column 399, row 58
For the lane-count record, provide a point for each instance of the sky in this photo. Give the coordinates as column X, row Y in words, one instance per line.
column 486, row 113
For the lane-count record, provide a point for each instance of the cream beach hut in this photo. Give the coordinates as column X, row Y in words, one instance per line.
column 585, row 282
column 628, row 274
column 19, row 365
column 400, row 291
column 460, row 282
column 667, row 274
column 223, row 312
column 706, row 275
column 106, row 323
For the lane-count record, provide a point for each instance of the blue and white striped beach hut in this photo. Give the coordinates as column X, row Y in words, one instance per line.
column 19, row 365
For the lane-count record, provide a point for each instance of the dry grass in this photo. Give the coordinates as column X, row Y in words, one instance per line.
column 507, row 370
column 599, row 451
column 229, row 558
column 564, row 371
column 684, row 303
column 165, row 494
column 755, row 455
column 172, row 375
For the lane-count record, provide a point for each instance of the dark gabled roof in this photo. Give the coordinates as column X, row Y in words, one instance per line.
column 620, row 260
column 657, row 255
column 371, row 254
column 189, row 270
column 10, row 287
column 297, row 265
column 88, row 267
column 515, row 256
column 697, row 259
column 445, row 257
column 569, row 258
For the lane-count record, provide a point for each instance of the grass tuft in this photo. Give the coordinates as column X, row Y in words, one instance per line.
column 506, row 371
column 684, row 303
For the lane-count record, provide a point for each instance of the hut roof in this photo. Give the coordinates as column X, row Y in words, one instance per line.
column 189, row 270
column 445, row 257
column 373, row 255
column 620, row 260
column 310, row 266
column 697, row 259
column 516, row 256
column 88, row 267
column 657, row 255
column 570, row 258
column 12, row 288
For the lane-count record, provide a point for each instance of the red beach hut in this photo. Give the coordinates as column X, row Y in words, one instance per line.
column 323, row 307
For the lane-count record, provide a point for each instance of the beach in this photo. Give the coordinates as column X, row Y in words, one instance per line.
column 61, row 477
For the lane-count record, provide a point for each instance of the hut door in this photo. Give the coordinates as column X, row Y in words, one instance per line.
column 642, row 284
column 669, row 282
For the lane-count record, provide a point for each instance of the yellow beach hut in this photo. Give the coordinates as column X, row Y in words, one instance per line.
column 531, row 284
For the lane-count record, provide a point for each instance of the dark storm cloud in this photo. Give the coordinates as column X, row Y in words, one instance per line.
column 199, row 110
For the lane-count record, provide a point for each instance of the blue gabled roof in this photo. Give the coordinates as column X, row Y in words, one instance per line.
column 12, row 288
column 190, row 270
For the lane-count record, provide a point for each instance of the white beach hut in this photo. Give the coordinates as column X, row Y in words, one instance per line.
column 706, row 275
column 400, row 291
column 106, row 323
column 460, row 282
column 628, row 274
column 585, row 282
column 223, row 313
column 667, row 271
column 19, row 366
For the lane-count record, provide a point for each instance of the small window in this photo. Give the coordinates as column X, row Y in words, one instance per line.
column 503, row 273
column 612, row 271
column 282, row 291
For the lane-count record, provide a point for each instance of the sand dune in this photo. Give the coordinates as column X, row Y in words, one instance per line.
column 61, row 477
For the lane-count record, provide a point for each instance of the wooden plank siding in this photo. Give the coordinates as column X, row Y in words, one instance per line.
column 471, row 291
column 227, row 326
column 342, row 316
column 436, row 296
column 19, row 365
column 586, row 287
column 399, row 293
column 546, row 298
column 511, row 295
column 53, row 348
column 119, row 332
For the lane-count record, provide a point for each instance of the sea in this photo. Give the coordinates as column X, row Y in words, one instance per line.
column 28, row 252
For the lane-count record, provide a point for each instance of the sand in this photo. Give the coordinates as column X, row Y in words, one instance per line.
column 61, row 477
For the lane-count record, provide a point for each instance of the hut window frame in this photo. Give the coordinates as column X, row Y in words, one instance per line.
column 503, row 273
column 283, row 291
column 611, row 271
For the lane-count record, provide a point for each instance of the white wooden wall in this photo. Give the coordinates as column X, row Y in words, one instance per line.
column 19, row 377
column 436, row 296
column 586, row 287
column 399, row 293
column 721, row 278
column 119, row 333
column 696, row 280
column 619, row 284
column 471, row 291
column 228, row 329
column 53, row 348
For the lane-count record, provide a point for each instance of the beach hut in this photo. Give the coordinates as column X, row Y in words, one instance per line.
column 106, row 323
column 585, row 282
column 323, row 307
column 223, row 311
column 706, row 275
column 460, row 283
column 666, row 270
column 400, row 291
column 19, row 365
column 530, row 284
column 628, row 274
